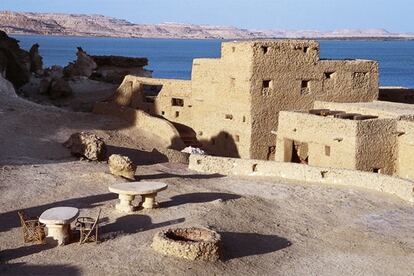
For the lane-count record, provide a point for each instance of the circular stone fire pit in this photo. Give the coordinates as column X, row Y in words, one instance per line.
column 193, row 243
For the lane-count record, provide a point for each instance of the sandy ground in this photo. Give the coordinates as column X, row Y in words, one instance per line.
column 268, row 226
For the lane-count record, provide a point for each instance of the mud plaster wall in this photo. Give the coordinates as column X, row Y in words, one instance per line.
column 163, row 130
column 155, row 96
column 381, row 109
column 298, row 78
column 405, row 154
column 221, row 101
column 402, row 188
column 321, row 134
column 376, row 145
column 232, row 103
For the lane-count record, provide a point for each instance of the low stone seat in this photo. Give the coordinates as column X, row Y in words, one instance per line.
column 58, row 221
column 128, row 190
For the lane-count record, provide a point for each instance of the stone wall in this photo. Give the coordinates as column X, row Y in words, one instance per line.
column 402, row 188
column 288, row 75
column 232, row 103
column 396, row 94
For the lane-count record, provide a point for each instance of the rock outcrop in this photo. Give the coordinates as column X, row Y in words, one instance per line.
column 14, row 62
column 122, row 166
column 82, row 67
column 113, row 69
column 86, row 145
column 36, row 60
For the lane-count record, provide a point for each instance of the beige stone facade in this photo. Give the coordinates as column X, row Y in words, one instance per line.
column 375, row 137
column 231, row 105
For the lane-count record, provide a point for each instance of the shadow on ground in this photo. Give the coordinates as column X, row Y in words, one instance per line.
column 15, row 253
column 11, row 220
column 131, row 224
column 25, row 269
column 197, row 198
column 237, row 245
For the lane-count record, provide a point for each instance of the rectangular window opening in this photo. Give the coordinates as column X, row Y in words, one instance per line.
column 177, row 114
column 376, row 170
column 305, row 49
column 264, row 49
column 162, row 112
column 266, row 84
column 254, row 168
column 305, row 84
column 327, row 150
column 177, row 102
column 236, row 138
column 244, row 119
column 329, row 75
column 229, row 117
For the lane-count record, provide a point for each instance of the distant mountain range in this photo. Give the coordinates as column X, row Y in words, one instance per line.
column 104, row 26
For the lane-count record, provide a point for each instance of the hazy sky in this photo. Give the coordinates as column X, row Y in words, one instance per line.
column 393, row 15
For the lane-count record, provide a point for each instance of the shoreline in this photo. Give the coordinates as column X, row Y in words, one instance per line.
column 225, row 39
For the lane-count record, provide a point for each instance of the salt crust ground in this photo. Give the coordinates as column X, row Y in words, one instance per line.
column 269, row 227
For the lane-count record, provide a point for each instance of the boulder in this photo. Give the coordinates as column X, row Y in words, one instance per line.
column 59, row 88
column 122, row 166
column 82, row 67
column 36, row 60
column 87, row 145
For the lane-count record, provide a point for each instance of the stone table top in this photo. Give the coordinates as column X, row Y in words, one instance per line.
column 138, row 188
column 59, row 215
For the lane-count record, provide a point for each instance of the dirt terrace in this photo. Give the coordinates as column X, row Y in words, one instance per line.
column 269, row 226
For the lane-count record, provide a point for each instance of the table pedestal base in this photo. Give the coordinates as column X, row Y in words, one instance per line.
column 59, row 232
column 125, row 203
column 148, row 201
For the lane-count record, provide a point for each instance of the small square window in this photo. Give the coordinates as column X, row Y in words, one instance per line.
column 305, row 84
column 266, row 84
column 305, row 49
column 177, row 102
column 329, row 75
column 376, row 170
column 229, row 117
column 264, row 49
column 162, row 112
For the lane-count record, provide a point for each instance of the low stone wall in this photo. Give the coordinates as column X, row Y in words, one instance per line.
column 402, row 188
column 161, row 128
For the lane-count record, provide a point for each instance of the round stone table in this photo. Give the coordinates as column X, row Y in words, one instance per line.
column 128, row 190
column 58, row 221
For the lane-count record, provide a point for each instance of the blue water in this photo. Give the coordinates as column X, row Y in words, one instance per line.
column 171, row 58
